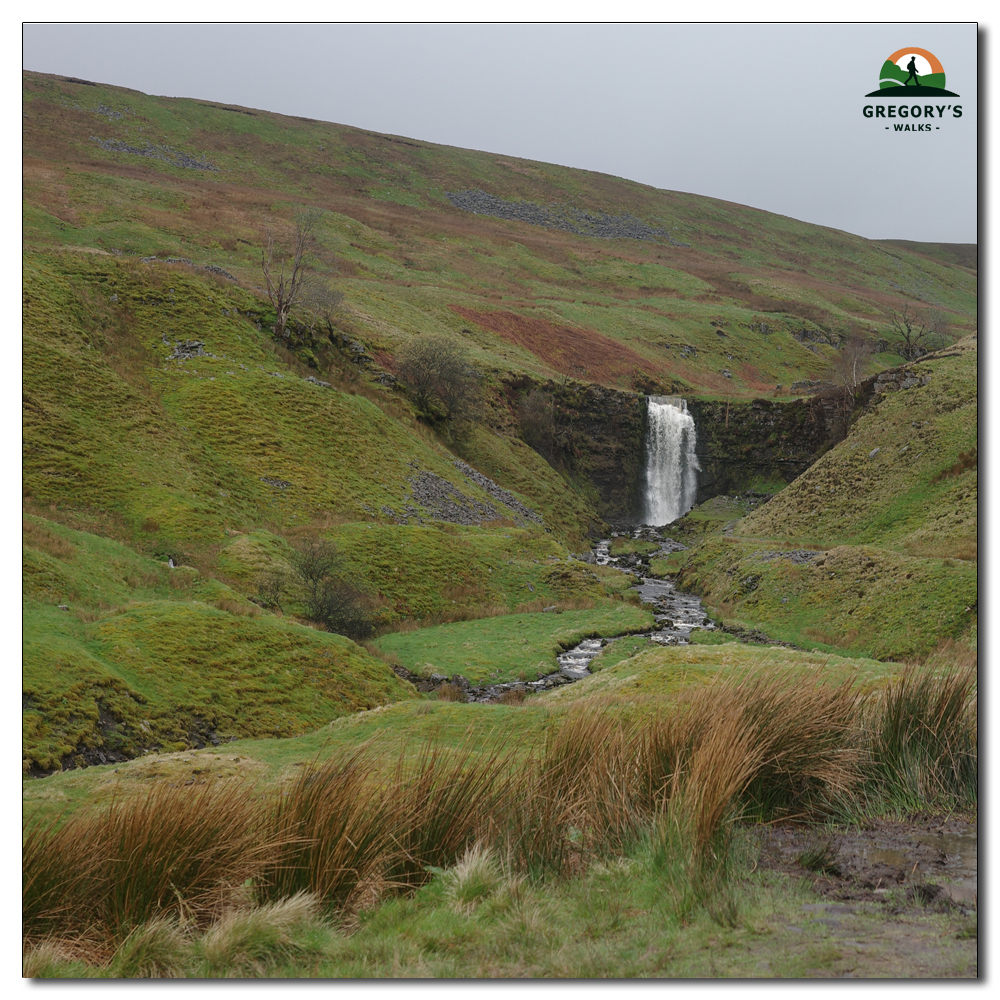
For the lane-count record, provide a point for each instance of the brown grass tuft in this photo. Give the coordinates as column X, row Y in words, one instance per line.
column 449, row 692
column 40, row 537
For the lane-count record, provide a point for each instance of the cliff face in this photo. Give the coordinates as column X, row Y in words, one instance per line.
column 593, row 435
column 597, row 438
column 742, row 444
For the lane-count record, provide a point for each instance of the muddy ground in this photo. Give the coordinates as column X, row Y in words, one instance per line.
column 892, row 900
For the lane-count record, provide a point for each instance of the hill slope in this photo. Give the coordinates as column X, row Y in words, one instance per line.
column 140, row 175
column 164, row 420
column 872, row 549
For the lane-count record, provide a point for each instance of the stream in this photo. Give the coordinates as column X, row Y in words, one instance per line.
column 674, row 612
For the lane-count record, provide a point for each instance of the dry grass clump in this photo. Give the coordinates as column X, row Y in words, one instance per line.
column 449, row 692
column 155, row 950
column 512, row 696
column 473, row 879
column 175, row 851
column 43, row 538
column 244, row 942
column 330, row 832
column 234, row 607
column 442, row 805
column 129, row 882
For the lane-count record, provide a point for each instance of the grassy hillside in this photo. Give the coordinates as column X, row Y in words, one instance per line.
column 899, row 479
column 144, row 221
column 139, row 175
column 873, row 549
column 123, row 653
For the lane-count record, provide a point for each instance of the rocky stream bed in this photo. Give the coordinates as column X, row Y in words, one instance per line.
column 675, row 612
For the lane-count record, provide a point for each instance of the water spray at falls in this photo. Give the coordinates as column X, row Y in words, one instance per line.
column 671, row 466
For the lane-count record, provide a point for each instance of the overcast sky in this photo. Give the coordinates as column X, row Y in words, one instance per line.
column 765, row 115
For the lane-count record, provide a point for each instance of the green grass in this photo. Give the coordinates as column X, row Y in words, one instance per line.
column 621, row 546
column 653, row 674
column 666, row 566
column 145, row 656
column 863, row 600
column 509, row 647
column 615, row 921
column 631, row 675
column 431, row 571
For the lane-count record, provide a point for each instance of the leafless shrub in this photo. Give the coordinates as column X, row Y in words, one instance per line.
column 270, row 589
column 914, row 336
column 330, row 598
column 439, row 376
column 285, row 292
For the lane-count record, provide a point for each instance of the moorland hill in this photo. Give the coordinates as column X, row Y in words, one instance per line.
column 178, row 453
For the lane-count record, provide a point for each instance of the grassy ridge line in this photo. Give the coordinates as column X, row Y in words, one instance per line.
column 277, row 152
column 166, row 674
column 404, row 265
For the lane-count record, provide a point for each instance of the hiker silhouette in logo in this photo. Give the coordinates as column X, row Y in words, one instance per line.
column 911, row 67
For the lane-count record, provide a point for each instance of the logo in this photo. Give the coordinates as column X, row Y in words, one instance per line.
column 912, row 73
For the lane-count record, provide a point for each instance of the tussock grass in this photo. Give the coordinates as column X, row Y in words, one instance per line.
column 449, row 692
column 474, row 878
column 247, row 941
column 924, row 733
column 331, row 831
column 175, row 851
column 154, row 950
column 348, row 833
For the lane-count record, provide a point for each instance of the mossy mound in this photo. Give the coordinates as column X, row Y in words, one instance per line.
column 124, row 665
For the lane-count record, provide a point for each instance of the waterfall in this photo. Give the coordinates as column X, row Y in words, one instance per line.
column 671, row 466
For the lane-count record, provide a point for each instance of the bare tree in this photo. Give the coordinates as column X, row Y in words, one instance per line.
column 439, row 376
column 284, row 291
column 848, row 367
column 914, row 336
column 331, row 599
column 318, row 305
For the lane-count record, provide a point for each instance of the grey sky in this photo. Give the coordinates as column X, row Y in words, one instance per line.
column 765, row 115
